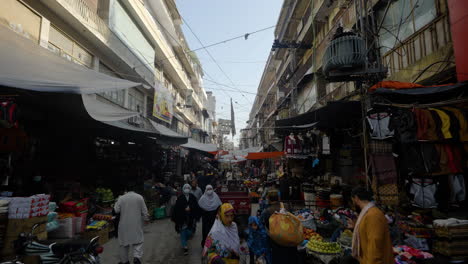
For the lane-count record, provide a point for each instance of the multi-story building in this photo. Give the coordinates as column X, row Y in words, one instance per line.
column 414, row 42
column 137, row 40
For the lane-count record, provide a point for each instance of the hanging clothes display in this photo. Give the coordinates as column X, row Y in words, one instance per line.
column 383, row 168
column 445, row 119
column 426, row 125
column 290, row 144
column 458, row 189
column 307, row 144
column 379, row 125
column 405, row 126
column 424, row 191
column 462, row 122
column 298, row 145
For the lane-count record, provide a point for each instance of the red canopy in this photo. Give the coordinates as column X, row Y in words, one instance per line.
column 264, row 155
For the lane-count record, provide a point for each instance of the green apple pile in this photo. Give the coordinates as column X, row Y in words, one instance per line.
column 105, row 194
column 324, row 247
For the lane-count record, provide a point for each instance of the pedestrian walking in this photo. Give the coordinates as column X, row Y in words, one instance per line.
column 279, row 254
column 185, row 216
column 371, row 236
column 258, row 240
column 222, row 244
column 209, row 204
column 196, row 191
column 133, row 213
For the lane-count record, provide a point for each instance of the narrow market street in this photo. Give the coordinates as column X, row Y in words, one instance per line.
column 162, row 245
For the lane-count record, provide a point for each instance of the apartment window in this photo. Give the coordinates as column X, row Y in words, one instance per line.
column 136, row 100
column 69, row 49
column 124, row 26
column 403, row 19
column 117, row 97
column 21, row 19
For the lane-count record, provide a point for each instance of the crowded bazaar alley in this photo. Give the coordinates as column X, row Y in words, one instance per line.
column 233, row 132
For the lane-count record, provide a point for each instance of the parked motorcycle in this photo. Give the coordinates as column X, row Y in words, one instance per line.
column 69, row 252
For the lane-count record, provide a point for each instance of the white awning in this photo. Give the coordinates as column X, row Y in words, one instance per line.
column 200, row 146
column 105, row 112
column 26, row 65
column 166, row 131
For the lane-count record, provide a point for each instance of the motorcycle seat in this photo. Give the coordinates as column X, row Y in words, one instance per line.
column 67, row 247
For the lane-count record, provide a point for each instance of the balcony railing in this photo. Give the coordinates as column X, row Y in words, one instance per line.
column 428, row 40
column 89, row 15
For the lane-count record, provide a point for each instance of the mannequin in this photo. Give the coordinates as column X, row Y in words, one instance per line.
column 290, row 143
column 299, row 144
column 307, row 146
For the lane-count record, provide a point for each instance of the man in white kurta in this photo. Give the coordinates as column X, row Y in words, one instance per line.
column 133, row 214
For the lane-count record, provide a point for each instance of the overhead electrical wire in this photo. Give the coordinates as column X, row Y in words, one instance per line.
column 211, row 56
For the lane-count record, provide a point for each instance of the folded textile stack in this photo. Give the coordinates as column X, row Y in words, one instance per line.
column 27, row 207
column 3, row 220
column 452, row 237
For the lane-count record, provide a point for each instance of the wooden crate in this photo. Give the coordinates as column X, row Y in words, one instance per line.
column 103, row 235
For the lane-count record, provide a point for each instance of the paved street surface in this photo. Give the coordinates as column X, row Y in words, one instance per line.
column 162, row 245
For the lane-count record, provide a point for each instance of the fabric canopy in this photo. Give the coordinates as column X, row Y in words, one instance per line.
column 26, row 65
column 166, row 131
column 192, row 144
column 105, row 112
column 418, row 95
column 420, row 90
column 333, row 115
column 264, row 155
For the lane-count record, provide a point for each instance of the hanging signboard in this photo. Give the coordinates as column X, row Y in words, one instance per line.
column 163, row 104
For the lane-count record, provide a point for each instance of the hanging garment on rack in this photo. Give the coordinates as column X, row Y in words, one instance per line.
column 404, row 124
column 298, row 146
column 289, row 144
column 445, row 119
column 379, row 125
column 426, row 125
column 429, row 157
column 463, row 132
column 325, row 145
column 454, row 158
column 454, row 124
column 458, row 189
column 424, row 191
column 307, row 145
column 383, row 168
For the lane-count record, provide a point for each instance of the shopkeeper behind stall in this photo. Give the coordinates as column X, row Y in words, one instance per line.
column 371, row 236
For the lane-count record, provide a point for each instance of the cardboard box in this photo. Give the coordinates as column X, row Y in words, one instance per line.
column 66, row 229
column 18, row 226
column 103, row 235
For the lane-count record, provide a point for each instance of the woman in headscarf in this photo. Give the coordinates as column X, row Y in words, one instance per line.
column 185, row 216
column 258, row 240
column 222, row 244
column 209, row 203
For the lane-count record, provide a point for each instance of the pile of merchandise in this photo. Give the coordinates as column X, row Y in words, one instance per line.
column 409, row 255
column 28, row 207
column 105, row 195
column 451, row 237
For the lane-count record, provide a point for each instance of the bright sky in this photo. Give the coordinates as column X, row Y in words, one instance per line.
column 241, row 60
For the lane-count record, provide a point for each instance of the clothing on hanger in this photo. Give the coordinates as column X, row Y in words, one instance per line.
column 404, row 124
column 426, row 125
column 289, row 144
column 445, row 126
column 458, row 189
column 424, row 191
column 463, row 124
column 379, row 125
column 383, row 168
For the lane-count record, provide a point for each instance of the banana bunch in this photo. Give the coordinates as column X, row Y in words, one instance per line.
column 324, row 247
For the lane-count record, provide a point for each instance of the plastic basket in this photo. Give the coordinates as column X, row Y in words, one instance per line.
column 160, row 213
